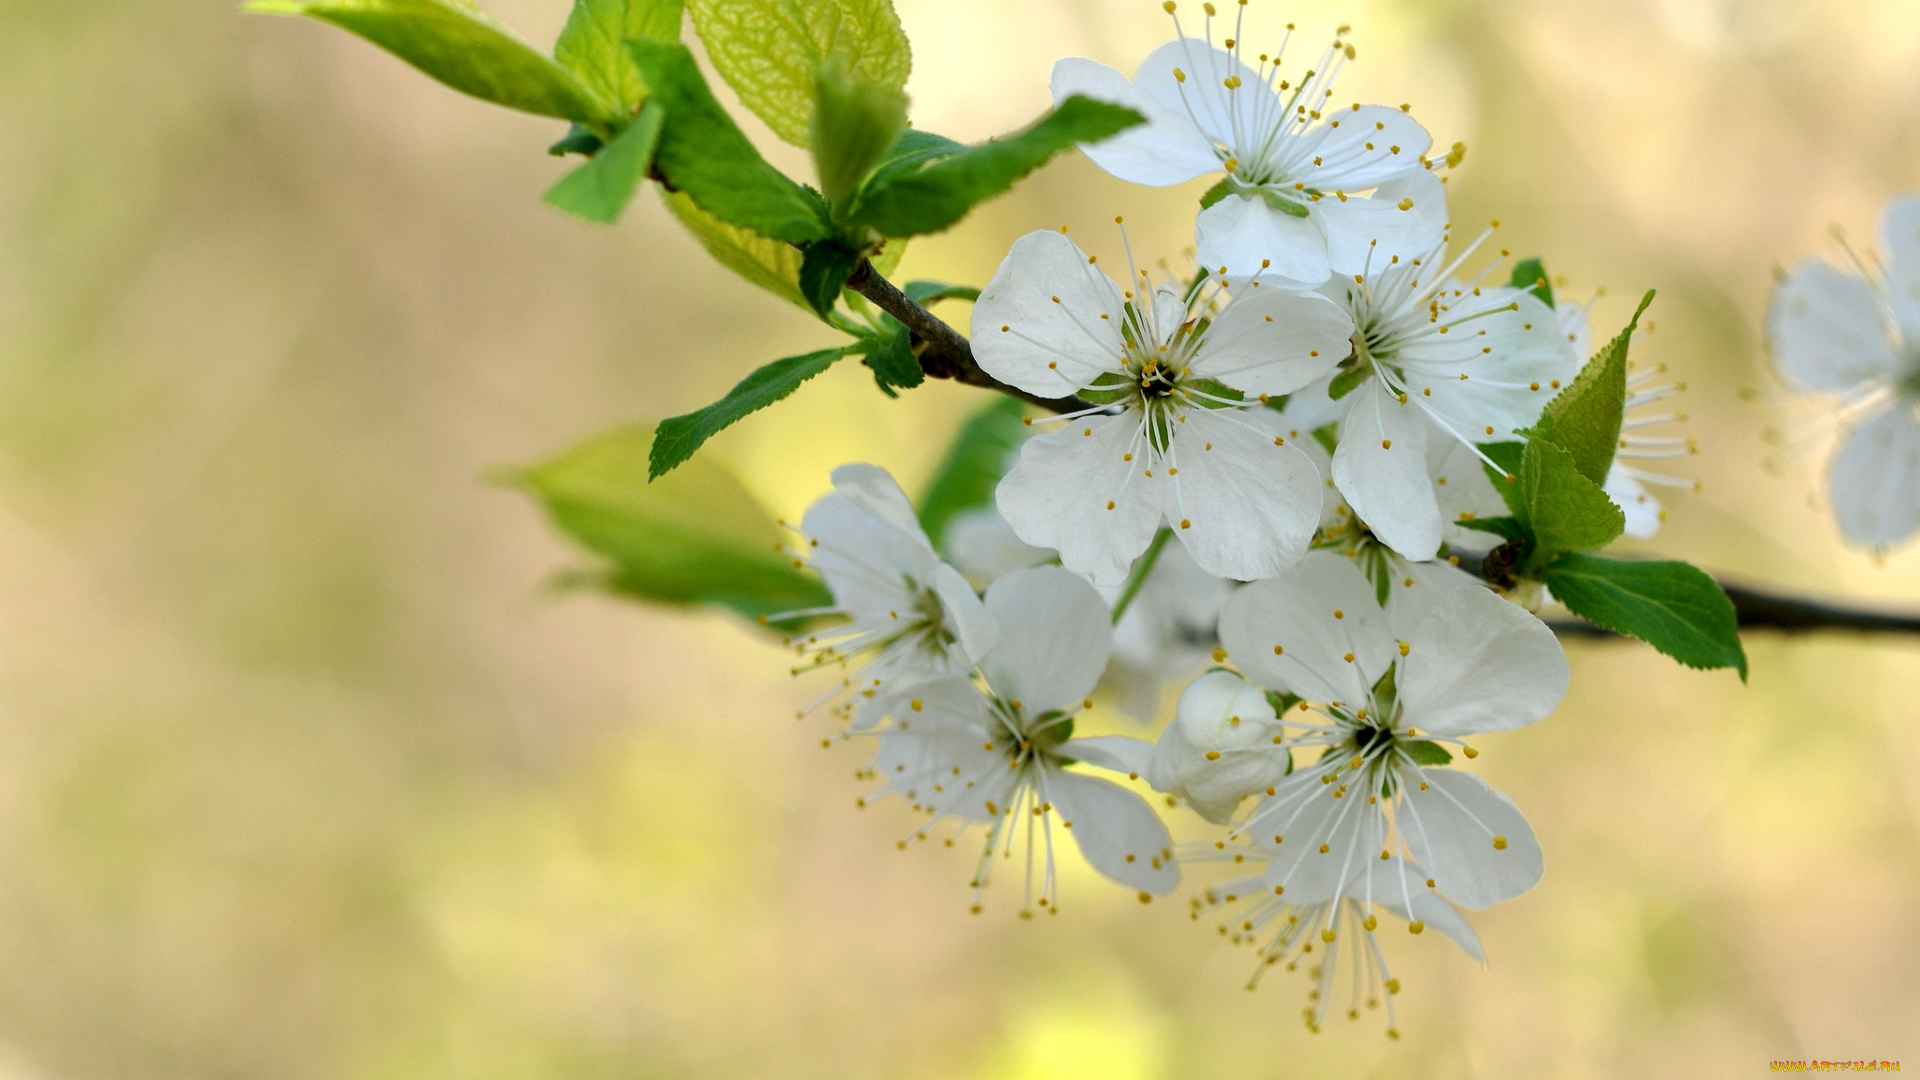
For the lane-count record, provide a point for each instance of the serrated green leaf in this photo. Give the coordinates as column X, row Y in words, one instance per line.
column 855, row 124
column 823, row 273
column 593, row 44
column 981, row 454
column 696, row 537
column 912, row 150
column 1565, row 510
column 894, row 364
column 1425, row 753
column 461, row 46
column 1585, row 417
column 600, row 189
column 928, row 199
column 1669, row 605
column 1506, row 464
column 770, row 51
column 680, row 436
column 704, row 153
column 770, row 264
column 1531, row 275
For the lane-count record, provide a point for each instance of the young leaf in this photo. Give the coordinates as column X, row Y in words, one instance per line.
column 929, row 292
column 855, row 123
column 1506, row 463
column 980, row 455
column 770, row 51
column 938, row 194
column 600, row 189
column 911, row 151
column 1531, row 275
column 1669, row 605
column 1565, row 510
column 679, row 437
column 696, row 537
column 593, row 44
column 770, row 264
column 894, row 364
column 703, row 153
column 458, row 44
column 823, row 273
column 1585, row 417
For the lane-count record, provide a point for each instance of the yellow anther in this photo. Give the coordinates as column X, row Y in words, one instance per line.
column 1219, row 655
column 1470, row 751
column 1213, row 755
column 1404, row 647
column 1416, row 926
column 1499, row 843
column 1327, row 934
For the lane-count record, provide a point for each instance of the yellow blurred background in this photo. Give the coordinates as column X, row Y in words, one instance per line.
column 305, row 773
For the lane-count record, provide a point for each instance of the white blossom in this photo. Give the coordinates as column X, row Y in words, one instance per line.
column 909, row 617
column 1372, row 821
column 997, row 749
column 1171, row 371
column 1294, row 165
column 1167, row 631
column 1857, row 336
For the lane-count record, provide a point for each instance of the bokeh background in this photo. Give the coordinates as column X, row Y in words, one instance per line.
column 305, row 772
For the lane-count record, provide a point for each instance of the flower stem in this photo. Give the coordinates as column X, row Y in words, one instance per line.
column 1139, row 577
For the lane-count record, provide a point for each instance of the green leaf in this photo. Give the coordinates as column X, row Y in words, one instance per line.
column 823, row 273
column 1531, row 275
column 911, row 151
column 770, row 51
column 704, row 153
column 458, row 44
column 1505, row 528
column 981, row 454
column 894, row 364
column 680, row 436
column 1348, row 381
column 911, row 202
column 1565, row 510
column 577, row 140
column 1585, row 417
column 1506, row 464
column 696, row 537
column 600, row 189
column 1425, row 753
column 1217, row 192
column 930, row 292
column 1669, row 605
column 770, row 264
column 855, row 123
column 593, row 44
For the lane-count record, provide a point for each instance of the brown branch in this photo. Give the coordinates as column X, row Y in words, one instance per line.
column 944, row 352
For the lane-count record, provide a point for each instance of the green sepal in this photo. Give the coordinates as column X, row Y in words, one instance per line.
column 679, row 437
column 1671, row 606
column 1277, row 201
column 1108, row 388
column 1585, row 416
column 1531, row 276
column 1348, row 381
column 1386, row 691
column 600, row 189
column 1217, row 192
column 1379, row 570
column 1279, row 699
column 854, row 124
column 705, row 154
column 1424, row 752
column 980, row 455
column 1214, row 389
column 912, row 202
column 696, row 537
column 593, row 44
column 771, row 52
column 456, row 43
column 1328, row 436
column 1565, row 510
column 824, row 268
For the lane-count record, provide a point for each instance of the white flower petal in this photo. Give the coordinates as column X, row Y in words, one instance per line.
column 1436, row 914
column 1054, row 639
column 1475, row 662
column 1165, row 150
column 1509, row 344
column 1900, row 239
column 1366, row 147
column 981, row 545
column 1116, row 752
column 1308, row 815
column 1273, row 341
column 874, row 490
column 865, row 561
column 1038, row 323
column 1826, row 330
column 966, row 616
column 1451, row 828
column 918, row 756
column 1365, row 235
column 1296, row 612
column 1117, row 831
column 1381, row 467
column 1079, row 495
column 1635, row 501
column 1461, row 489
column 1203, row 97
column 1220, row 747
column 1244, row 507
column 1874, row 480
column 1253, row 241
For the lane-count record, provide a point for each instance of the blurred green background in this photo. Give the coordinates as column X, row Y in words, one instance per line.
column 305, row 773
